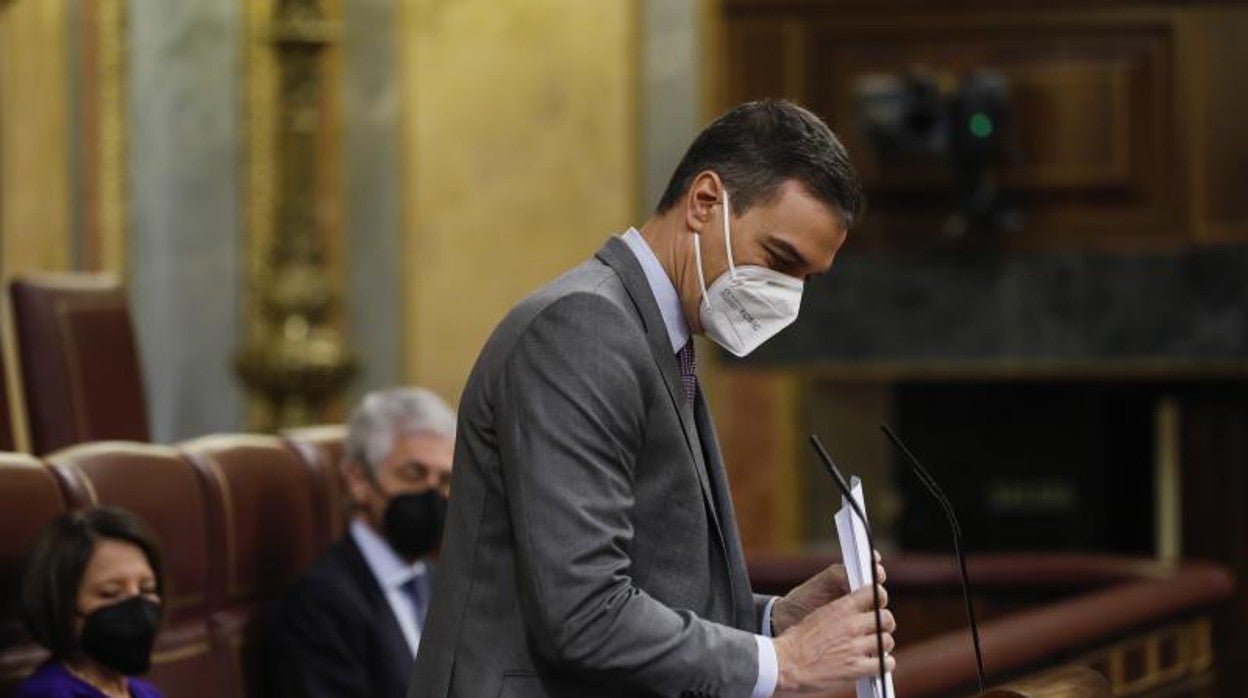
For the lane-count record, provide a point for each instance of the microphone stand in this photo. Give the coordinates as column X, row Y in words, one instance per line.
column 930, row 483
column 843, row 485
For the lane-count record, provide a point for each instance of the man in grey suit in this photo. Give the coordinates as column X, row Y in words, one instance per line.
column 591, row 547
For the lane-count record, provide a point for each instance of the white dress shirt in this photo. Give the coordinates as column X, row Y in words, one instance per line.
column 391, row 573
column 678, row 331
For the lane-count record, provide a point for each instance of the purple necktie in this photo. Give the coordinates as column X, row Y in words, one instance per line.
column 417, row 591
column 688, row 370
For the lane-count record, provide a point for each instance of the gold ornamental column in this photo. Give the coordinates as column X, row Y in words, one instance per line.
column 105, row 189
column 295, row 361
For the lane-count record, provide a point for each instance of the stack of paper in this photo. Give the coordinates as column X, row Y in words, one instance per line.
column 858, row 558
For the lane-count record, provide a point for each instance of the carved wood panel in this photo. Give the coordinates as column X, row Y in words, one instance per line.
column 1105, row 126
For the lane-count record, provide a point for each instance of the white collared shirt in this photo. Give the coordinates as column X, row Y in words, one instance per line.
column 391, row 573
column 662, row 287
column 678, row 331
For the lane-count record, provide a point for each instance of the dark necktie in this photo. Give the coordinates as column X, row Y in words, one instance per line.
column 688, row 370
column 417, row 591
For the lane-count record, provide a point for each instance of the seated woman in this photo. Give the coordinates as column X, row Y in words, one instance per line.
column 91, row 596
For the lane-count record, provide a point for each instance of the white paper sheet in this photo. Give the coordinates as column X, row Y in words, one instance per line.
column 858, row 558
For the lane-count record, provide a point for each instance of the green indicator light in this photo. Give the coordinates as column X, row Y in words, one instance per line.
column 981, row 125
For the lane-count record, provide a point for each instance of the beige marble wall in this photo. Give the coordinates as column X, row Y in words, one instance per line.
column 519, row 158
column 34, row 136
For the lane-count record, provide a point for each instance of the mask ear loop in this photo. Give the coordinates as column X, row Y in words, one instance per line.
column 697, row 255
column 732, row 268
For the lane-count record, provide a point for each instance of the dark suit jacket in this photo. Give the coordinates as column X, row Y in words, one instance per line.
column 334, row 634
column 591, row 547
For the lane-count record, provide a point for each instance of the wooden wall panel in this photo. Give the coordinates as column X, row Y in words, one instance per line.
column 766, row 58
column 757, row 414
column 1213, row 443
column 1220, row 116
column 1095, row 140
column 1129, row 128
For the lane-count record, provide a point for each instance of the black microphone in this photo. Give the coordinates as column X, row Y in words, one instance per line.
column 930, row 483
column 843, row 485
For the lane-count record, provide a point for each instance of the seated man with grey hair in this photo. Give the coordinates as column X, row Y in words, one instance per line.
column 351, row 624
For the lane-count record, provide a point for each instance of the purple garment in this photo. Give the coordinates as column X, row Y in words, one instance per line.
column 53, row 680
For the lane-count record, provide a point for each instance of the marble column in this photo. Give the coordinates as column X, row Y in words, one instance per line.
column 672, row 90
column 184, row 265
column 374, row 244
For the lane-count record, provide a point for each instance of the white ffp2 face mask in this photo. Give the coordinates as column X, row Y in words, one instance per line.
column 746, row 305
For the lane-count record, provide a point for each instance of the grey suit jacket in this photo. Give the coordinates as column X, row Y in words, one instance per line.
column 591, row 547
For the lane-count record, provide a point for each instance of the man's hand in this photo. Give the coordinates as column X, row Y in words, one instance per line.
column 829, row 585
column 834, row 645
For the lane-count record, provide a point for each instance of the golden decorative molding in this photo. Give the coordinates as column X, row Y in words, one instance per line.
column 1168, row 479
column 294, row 361
column 39, row 122
column 260, row 177
column 1182, row 652
column 110, row 175
column 34, row 136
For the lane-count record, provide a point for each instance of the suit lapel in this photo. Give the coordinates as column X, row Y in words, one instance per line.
column 617, row 255
column 743, row 596
column 394, row 644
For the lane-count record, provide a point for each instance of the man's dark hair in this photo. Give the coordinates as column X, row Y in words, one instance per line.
column 758, row 146
column 58, row 561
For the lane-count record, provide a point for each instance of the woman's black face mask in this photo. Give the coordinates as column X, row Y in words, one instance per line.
column 120, row 636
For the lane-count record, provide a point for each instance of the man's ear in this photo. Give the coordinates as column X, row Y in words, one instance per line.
column 356, row 478
column 705, row 192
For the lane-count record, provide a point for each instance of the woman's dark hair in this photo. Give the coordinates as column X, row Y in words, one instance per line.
column 56, row 565
column 758, row 146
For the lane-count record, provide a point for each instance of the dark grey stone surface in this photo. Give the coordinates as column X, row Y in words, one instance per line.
column 1069, row 306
